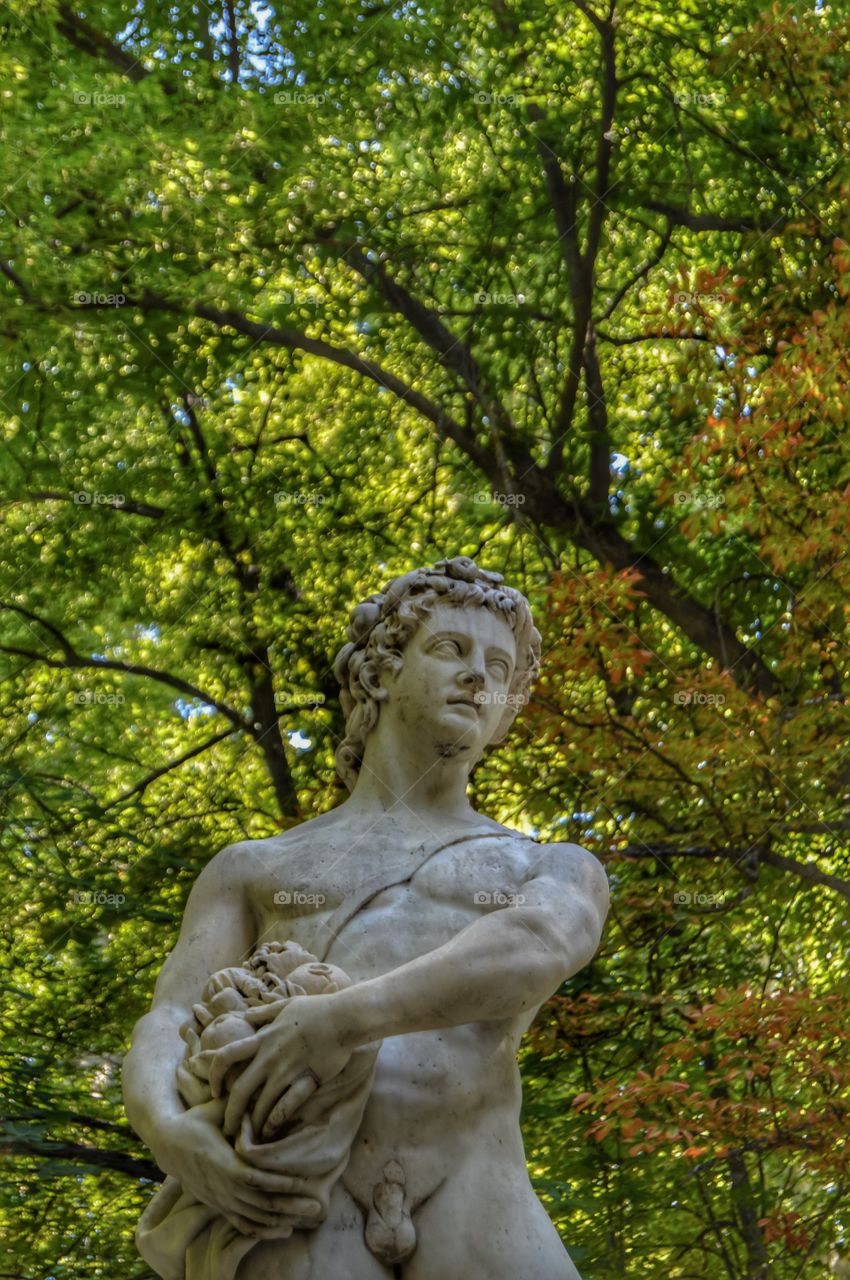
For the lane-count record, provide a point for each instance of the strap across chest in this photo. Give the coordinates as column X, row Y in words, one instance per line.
column 364, row 892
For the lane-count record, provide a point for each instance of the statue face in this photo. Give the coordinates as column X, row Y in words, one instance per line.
column 451, row 691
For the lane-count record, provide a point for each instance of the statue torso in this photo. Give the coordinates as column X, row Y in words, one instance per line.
column 432, row 1089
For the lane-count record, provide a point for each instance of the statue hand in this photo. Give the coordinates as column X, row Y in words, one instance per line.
column 253, row 1201
column 225, row 1057
column 305, row 1039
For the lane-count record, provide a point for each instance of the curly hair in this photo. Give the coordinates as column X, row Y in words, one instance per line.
column 381, row 626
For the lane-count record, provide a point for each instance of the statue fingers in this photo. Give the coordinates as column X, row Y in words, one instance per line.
column 278, row 1184
column 287, row 1208
column 228, row 1056
column 286, row 1106
column 272, row 1089
column 282, row 1231
column 261, row 1014
column 270, row 1192
column 253, row 1213
column 262, row 1201
column 299, row 1206
column 240, row 1095
column 246, row 1227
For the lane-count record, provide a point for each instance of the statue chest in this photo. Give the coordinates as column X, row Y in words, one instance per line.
column 428, row 907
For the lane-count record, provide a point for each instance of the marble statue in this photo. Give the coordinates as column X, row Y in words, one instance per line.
column 327, row 1074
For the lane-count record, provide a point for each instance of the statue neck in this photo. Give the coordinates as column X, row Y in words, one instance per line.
column 403, row 779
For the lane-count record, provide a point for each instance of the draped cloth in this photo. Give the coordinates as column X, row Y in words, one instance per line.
column 182, row 1239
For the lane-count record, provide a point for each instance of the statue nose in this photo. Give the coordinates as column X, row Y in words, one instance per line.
column 472, row 677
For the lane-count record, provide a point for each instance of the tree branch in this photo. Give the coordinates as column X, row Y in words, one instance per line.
column 256, row 662
column 583, row 273
column 141, row 787
column 72, row 660
column 601, row 25
column 455, row 355
column 699, row 623
column 641, row 272
column 293, row 339
column 11, row 274
column 232, row 41
column 82, row 35
column 129, row 507
column 599, row 468
column 806, row 871
column 631, row 339
column 679, row 216
column 546, row 505
column 81, row 1153
column 453, row 351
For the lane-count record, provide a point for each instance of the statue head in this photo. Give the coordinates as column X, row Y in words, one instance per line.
column 381, row 627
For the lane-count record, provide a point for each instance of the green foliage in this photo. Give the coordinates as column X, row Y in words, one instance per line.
column 293, row 303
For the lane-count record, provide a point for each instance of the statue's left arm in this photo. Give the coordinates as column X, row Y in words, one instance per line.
column 500, row 966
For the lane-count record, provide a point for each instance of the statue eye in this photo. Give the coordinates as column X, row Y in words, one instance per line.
column 447, row 645
column 501, row 667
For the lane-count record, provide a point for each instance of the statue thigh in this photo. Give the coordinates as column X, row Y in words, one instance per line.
column 472, row 1229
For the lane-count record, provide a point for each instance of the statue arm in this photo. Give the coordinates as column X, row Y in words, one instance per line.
column 500, row 966
column 216, row 932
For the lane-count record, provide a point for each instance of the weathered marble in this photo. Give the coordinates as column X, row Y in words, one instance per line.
column 328, row 1070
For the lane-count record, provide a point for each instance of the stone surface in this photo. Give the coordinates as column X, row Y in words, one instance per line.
column 328, row 1071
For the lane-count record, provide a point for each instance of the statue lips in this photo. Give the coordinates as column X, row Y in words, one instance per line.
column 465, row 700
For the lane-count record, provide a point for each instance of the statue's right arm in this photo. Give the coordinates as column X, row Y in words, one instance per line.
column 217, row 931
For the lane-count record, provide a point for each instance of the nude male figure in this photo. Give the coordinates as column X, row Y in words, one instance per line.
column 449, row 968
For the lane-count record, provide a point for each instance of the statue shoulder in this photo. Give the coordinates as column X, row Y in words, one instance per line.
column 243, row 855
column 575, row 863
column 224, row 871
column 237, row 862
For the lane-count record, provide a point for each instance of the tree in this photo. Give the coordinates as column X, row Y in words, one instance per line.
column 290, row 305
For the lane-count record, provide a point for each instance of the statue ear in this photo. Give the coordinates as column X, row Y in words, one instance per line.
column 371, row 682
